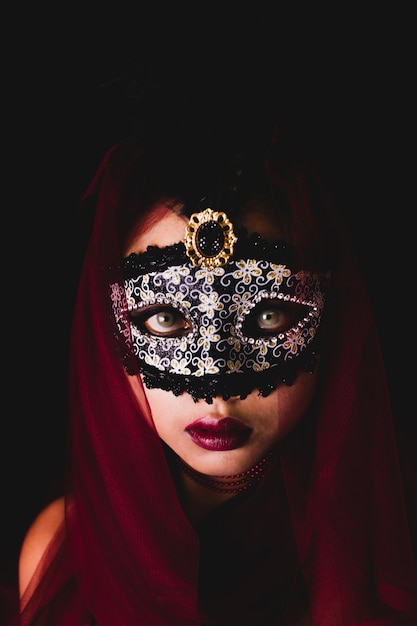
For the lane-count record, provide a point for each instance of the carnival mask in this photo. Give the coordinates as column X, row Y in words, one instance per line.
column 219, row 314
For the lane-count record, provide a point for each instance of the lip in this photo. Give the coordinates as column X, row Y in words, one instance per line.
column 210, row 433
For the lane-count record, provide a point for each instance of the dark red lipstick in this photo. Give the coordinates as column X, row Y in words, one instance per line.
column 218, row 434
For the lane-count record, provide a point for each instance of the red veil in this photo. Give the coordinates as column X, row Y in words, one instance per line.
column 326, row 531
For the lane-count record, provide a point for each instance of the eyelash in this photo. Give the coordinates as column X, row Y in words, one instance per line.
column 289, row 314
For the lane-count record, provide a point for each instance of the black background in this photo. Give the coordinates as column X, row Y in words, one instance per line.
column 349, row 77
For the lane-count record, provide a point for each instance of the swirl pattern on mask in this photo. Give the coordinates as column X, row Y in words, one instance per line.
column 216, row 304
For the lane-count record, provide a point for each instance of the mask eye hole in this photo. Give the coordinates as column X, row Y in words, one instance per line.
column 273, row 317
column 160, row 321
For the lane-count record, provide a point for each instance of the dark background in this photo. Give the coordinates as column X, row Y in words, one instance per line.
column 347, row 77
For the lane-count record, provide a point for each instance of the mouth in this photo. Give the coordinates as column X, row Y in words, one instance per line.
column 219, row 435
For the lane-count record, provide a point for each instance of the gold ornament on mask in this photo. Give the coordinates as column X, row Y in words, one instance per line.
column 209, row 239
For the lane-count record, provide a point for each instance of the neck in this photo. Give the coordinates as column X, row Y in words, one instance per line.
column 202, row 494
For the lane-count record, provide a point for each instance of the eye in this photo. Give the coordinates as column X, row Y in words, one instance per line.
column 162, row 321
column 272, row 317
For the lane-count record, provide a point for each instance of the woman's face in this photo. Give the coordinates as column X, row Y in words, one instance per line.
column 196, row 430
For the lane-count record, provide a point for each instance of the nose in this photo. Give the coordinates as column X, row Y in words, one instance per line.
column 220, row 403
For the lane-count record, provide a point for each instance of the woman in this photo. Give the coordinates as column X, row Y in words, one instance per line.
column 232, row 454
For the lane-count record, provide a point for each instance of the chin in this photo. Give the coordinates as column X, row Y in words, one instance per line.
column 223, row 463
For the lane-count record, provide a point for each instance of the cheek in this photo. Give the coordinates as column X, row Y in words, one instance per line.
column 287, row 405
column 280, row 412
column 160, row 408
column 169, row 413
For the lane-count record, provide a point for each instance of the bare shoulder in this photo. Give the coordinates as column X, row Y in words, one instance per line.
column 37, row 539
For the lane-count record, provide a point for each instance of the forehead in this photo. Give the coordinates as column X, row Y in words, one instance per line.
column 163, row 226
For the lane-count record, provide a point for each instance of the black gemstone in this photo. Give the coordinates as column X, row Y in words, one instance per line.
column 210, row 239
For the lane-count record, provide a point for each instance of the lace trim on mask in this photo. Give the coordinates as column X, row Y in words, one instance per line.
column 158, row 259
column 227, row 385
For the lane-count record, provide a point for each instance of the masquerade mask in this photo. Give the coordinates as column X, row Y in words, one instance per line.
column 219, row 314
